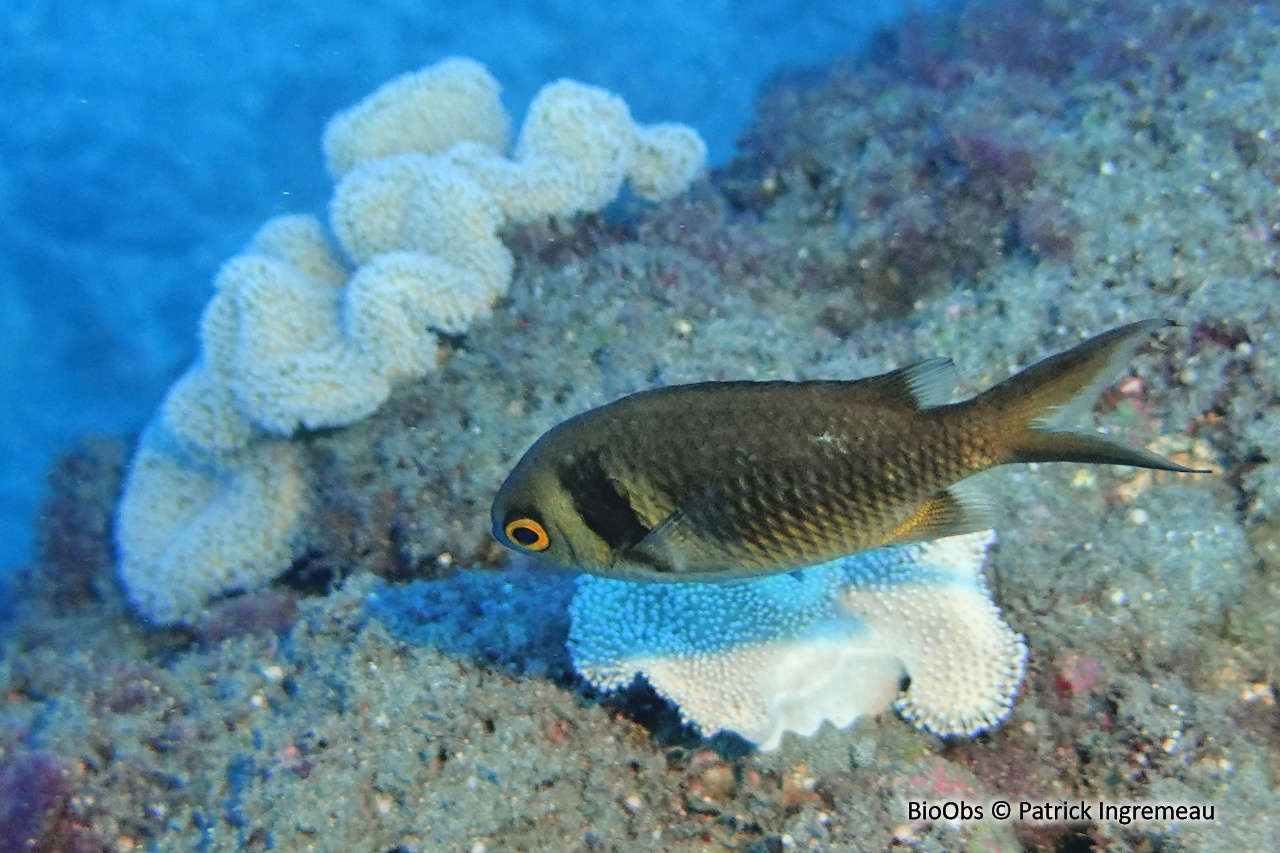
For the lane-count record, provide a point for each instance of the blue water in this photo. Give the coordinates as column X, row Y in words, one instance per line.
column 141, row 143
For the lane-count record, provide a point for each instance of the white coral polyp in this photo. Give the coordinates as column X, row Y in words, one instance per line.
column 665, row 159
column 300, row 241
column 426, row 111
column 588, row 134
column 371, row 203
column 201, row 415
column 189, row 532
column 965, row 663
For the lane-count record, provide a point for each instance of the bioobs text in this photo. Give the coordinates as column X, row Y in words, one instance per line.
column 949, row 810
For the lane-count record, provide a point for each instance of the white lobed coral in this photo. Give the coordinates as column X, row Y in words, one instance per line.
column 299, row 336
column 427, row 111
column 189, row 531
column 665, row 158
column 301, row 341
column 274, row 356
column 830, row 643
column 965, row 662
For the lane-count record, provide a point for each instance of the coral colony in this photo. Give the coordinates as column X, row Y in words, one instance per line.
column 300, row 336
column 830, row 643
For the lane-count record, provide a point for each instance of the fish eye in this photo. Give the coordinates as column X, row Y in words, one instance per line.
column 528, row 534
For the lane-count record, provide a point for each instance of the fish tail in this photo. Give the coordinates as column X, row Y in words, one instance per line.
column 1028, row 405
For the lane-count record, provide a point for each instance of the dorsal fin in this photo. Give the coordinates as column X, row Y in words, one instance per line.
column 922, row 385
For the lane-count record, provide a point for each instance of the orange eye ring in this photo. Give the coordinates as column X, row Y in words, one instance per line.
column 527, row 534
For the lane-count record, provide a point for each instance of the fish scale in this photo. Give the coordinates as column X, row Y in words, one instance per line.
column 726, row 480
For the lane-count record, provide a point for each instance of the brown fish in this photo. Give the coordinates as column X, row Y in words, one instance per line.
column 721, row 481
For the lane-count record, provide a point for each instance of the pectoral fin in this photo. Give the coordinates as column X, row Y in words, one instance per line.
column 679, row 544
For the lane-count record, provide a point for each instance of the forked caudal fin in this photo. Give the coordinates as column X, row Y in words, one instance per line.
column 1031, row 402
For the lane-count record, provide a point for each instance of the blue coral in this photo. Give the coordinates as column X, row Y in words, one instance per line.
column 826, row 644
column 617, row 620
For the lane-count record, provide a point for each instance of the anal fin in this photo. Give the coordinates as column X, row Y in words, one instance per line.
column 962, row 508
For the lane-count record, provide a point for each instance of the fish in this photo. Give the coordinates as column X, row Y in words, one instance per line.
column 728, row 481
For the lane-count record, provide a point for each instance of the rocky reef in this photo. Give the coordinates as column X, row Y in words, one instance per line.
column 993, row 186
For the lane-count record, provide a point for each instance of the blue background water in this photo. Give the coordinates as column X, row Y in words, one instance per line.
column 142, row 142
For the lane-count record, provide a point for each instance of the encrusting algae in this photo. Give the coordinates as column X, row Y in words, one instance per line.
column 720, row 481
